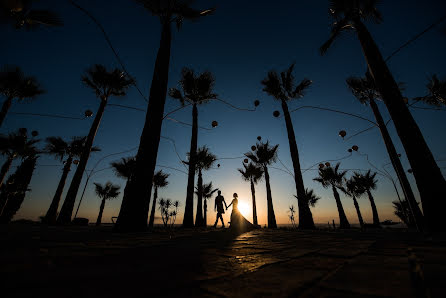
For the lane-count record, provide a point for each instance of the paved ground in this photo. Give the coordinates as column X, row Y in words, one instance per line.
column 90, row 262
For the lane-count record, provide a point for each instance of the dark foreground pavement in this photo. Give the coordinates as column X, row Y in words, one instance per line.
column 39, row 261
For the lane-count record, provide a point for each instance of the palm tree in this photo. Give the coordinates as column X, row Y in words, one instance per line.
column 124, row 167
column 430, row 181
column 13, row 146
column 135, row 205
column 253, row 174
column 354, row 190
column 436, row 92
column 368, row 183
column 283, row 89
column 105, row 84
column 61, row 149
column 197, row 89
column 206, row 193
column 19, row 14
column 311, row 197
column 204, row 161
column 159, row 181
column 105, row 192
column 331, row 177
column 365, row 91
column 402, row 210
column 263, row 156
column 14, row 85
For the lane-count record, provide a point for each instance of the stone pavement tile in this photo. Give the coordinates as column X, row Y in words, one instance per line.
column 322, row 292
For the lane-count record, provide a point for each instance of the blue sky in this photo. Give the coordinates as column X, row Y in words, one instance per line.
column 239, row 44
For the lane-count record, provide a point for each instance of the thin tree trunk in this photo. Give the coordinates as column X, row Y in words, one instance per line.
column 205, row 211
column 254, row 206
column 430, row 181
column 101, row 210
column 343, row 222
column 5, row 168
column 188, row 220
column 271, row 216
column 376, row 221
column 5, row 108
column 152, row 213
column 51, row 214
column 199, row 215
column 405, row 185
column 305, row 215
column 361, row 221
column 136, row 200
column 68, row 205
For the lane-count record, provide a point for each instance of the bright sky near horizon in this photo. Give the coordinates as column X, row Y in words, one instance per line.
column 239, row 44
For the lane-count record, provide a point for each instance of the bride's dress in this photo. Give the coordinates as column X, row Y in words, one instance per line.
column 238, row 221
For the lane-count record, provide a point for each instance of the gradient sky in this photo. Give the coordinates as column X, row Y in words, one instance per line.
column 240, row 43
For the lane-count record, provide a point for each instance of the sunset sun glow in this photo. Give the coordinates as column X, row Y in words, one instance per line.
column 244, row 208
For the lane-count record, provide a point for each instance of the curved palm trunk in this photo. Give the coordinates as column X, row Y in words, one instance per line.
column 405, row 185
column 199, row 215
column 271, row 216
column 68, row 205
column 254, row 207
column 343, row 222
column 361, row 221
column 136, row 200
column 430, row 181
column 101, row 210
column 205, row 211
column 51, row 214
column 5, row 168
column 188, row 220
column 5, row 108
column 305, row 215
column 152, row 213
column 376, row 221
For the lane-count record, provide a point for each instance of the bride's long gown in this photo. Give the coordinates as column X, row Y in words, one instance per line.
column 238, row 221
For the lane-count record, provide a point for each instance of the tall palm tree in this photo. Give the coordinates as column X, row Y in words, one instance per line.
column 284, row 90
column 135, row 205
column 436, row 92
column 105, row 192
column 197, row 89
column 262, row 156
column 206, row 192
column 331, row 177
column 12, row 146
column 105, row 84
column 159, row 181
column 253, row 174
column 61, row 149
column 430, row 181
column 368, row 183
column 20, row 14
column 354, row 190
column 14, row 85
column 365, row 91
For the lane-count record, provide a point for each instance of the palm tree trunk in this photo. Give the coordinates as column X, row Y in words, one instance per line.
column 101, row 210
column 430, row 181
column 199, row 215
column 254, row 206
column 51, row 214
column 188, row 220
column 152, row 213
column 305, row 215
column 361, row 221
column 271, row 216
column 205, row 211
column 343, row 221
column 405, row 185
column 5, row 168
column 376, row 221
column 67, row 208
column 136, row 200
column 5, row 108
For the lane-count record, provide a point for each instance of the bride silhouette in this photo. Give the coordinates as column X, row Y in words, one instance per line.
column 238, row 222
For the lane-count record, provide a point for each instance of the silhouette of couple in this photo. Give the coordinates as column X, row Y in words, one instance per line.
column 238, row 222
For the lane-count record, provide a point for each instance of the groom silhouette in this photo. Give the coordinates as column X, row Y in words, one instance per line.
column 219, row 200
